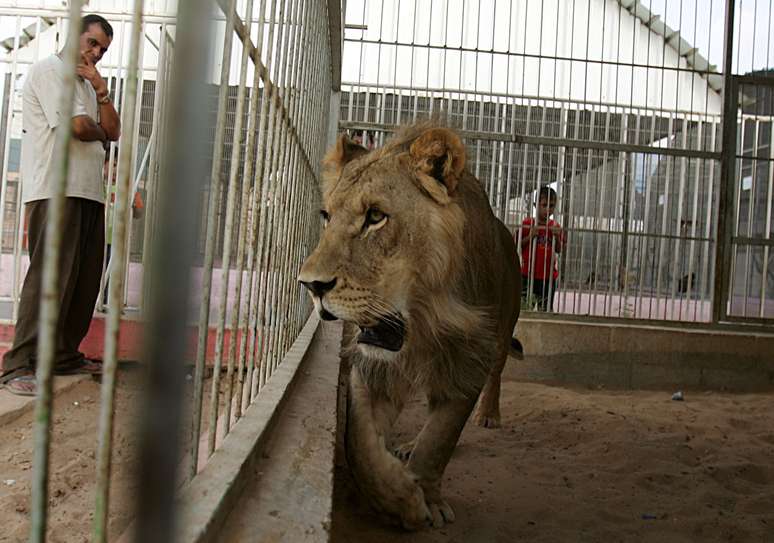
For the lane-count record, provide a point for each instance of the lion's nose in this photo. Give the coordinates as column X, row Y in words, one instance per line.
column 319, row 288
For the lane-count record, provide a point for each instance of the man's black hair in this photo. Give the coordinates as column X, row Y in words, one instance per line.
column 92, row 19
column 548, row 193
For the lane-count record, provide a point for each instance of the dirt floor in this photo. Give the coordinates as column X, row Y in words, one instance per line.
column 568, row 465
column 73, row 465
column 572, row 464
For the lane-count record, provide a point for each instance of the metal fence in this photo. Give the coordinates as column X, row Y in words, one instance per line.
column 661, row 162
column 617, row 106
column 224, row 150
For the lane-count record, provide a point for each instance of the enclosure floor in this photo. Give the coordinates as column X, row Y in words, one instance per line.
column 73, row 465
column 597, row 465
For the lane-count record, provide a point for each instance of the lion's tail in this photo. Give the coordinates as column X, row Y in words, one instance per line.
column 517, row 351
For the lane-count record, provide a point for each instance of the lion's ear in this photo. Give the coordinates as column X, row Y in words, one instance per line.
column 438, row 154
column 344, row 151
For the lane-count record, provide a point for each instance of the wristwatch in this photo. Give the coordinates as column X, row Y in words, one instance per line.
column 104, row 100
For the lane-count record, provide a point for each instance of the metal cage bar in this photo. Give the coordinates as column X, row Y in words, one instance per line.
column 50, row 299
column 602, row 100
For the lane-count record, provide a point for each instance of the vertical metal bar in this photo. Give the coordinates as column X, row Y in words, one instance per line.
column 649, row 186
column 283, row 182
column 268, row 188
column 292, row 162
column 180, row 190
column 209, row 256
column 618, row 265
column 664, row 215
column 522, row 196
column 709, row 271
column 694, row 213
column 151, row 181
column 750, row 213
column 50, row 295
column 234, row 167
column 277, row 191
column 591, row 281
column 553, row 285
column 724, row 247
column 678, row 226
column 118, row 276
column 120, row 98
column 571, row 208
column 645, row 240
column 259, row 214
column 297, row 175
column 135, row 170
column 632, row 233
column 6, row 157
column 247, row 213
column 599, row 204
column 413, row 92
column 252, row 173
column 767, row 227
column 306, row 173
column 315, row 82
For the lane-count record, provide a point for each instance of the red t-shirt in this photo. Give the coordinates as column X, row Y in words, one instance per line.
column 544, row 252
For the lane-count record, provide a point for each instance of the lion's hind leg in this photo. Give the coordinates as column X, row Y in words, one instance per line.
column 488, row 410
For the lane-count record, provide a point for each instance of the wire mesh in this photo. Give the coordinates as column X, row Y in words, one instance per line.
column 262, row 142
column 613, row 107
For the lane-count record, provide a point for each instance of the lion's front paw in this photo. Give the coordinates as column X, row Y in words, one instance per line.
column 398, row 495
column 414, row 512
column 487, row 420
column 441, row 513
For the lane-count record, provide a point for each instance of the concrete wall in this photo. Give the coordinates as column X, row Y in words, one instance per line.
column 628, row 356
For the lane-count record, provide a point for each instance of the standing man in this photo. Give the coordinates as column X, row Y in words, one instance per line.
column 94, row 124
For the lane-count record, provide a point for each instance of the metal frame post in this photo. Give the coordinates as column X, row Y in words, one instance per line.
column 723, row 248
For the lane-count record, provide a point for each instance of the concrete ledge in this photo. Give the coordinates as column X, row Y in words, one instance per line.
column 289, row 493
column 204, row 503
column 630, row 356
column 218, row 490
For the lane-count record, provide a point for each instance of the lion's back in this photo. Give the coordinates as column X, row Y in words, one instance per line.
column 492, row 262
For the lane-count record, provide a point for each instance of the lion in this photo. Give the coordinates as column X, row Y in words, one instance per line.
column 412, row 255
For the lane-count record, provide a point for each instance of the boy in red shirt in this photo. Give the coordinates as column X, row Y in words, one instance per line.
column 545, row 237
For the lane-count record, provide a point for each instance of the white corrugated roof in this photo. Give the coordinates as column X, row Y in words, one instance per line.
column 674, row 40
column 27, row 34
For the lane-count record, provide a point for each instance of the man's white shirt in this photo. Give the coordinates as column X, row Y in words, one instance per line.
column 40, row 118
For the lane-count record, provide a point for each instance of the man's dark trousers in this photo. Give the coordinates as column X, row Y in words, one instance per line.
column 80, row 269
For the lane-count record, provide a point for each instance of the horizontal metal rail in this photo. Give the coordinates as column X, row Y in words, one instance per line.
column 431, row 91
column 535, row 56
column 553, row 142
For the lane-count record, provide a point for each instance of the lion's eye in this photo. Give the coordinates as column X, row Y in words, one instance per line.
column 374, row 216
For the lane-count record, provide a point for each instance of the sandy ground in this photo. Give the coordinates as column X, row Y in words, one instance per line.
column 597, row 466
column 568, row 465
column 73, row 465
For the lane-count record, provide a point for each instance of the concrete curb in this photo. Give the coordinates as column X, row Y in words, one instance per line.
column 205, row 502
column 643, row 357
column 289, row 493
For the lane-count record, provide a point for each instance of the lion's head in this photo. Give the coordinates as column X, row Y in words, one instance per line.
column 392, row 244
